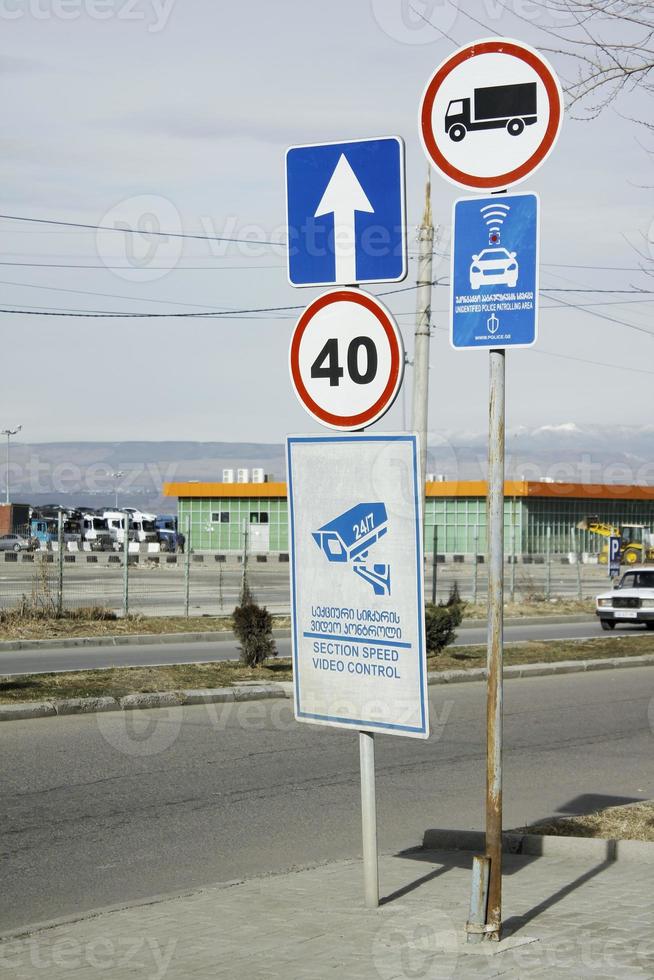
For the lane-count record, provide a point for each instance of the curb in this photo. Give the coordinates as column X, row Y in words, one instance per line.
column 545, row 845
column 25, row 710
column 252, row 691
column 129, row 639
column 541, row 670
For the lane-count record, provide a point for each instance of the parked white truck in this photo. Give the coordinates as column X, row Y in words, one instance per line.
column 141, row 526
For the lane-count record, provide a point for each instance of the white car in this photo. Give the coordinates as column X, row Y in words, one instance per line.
column 494, row 267
column 631, row 601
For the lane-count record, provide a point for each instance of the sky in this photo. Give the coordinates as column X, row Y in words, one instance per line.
column 176, row 114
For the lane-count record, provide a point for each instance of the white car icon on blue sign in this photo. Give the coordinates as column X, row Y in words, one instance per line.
column 494, row 267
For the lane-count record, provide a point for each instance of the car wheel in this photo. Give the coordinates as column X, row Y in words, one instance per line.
column 631, row 556
column 650, row 625
column 457, row 132
column 16, row 547
column 607, row 624
column 515, row 126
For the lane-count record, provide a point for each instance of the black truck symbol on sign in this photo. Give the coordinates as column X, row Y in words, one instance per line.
column 501, row 106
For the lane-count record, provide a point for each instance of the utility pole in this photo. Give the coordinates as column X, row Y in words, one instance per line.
column 422, row 335
column 116, row 477
column 9, row 433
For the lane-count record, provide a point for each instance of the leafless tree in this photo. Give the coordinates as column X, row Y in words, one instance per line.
column 610, row 47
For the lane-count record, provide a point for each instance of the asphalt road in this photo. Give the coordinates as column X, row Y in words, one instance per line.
column 102, row 809
column 82, row 658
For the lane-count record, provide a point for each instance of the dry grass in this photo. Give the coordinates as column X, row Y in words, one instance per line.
column 534, row 607
column 634, row 821
column 118, row 681
column 14, row 626
column 21, row 624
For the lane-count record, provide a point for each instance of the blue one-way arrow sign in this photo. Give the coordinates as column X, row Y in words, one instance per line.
column 345, row 210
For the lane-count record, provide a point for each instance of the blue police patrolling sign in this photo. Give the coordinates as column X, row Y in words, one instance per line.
column 494, row 274
column 346, row 212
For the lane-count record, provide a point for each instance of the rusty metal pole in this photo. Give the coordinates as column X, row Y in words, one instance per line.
column 495, row 642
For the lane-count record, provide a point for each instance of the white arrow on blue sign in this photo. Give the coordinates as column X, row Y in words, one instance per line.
column 346, row 212
column 494, row 274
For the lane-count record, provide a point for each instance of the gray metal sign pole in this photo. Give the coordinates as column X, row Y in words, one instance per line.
column 187, row 568
column 495, row 642
column 369, row 819
column 60, row 564
column 369, row 815
column 548, row 544
column 475, row 567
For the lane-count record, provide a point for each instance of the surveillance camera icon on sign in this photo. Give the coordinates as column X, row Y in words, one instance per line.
column 349, row 538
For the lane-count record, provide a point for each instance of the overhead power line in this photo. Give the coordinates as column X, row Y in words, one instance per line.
column 138, row 231
column 207, row 312
column 602, row 316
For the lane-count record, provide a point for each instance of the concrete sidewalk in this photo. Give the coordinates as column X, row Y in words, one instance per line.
column 563, row 918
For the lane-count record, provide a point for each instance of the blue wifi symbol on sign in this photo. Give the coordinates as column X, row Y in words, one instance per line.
column 494, row 215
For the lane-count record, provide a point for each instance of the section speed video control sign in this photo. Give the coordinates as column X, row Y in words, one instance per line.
column 357, row 596
column 346, row 359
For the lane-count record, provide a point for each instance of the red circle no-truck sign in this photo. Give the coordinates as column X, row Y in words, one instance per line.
column 346, row 359
column 491, row 114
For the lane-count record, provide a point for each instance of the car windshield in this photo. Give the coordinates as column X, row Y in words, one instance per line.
column 99, row 524
column 494, row 253
column 638, row 580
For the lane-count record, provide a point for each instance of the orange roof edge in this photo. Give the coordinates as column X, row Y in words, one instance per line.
column 224, row 489
column 447, row 488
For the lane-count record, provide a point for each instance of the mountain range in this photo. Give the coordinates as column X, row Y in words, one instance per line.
column 90, row 473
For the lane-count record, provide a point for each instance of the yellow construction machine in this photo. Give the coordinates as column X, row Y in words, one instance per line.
column 631, row 537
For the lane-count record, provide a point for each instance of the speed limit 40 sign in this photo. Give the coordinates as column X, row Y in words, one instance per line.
column 346, row 359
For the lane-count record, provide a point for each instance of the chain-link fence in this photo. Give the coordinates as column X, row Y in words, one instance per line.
column 149, row 584
column 209, row 584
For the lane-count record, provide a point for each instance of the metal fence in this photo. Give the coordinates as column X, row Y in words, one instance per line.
column 209, row 584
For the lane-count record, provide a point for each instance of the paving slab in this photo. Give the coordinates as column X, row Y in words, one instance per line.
column 563, row 918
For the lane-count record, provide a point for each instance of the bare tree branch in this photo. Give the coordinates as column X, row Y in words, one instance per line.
column 607, row 64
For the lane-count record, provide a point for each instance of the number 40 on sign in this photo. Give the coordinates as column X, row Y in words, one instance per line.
column 346, row 359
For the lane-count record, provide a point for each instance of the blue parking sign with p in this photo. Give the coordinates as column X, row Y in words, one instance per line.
column 494, row 271
column 614, row 555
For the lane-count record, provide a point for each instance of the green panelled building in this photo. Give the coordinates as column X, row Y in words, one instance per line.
column 455, row 515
